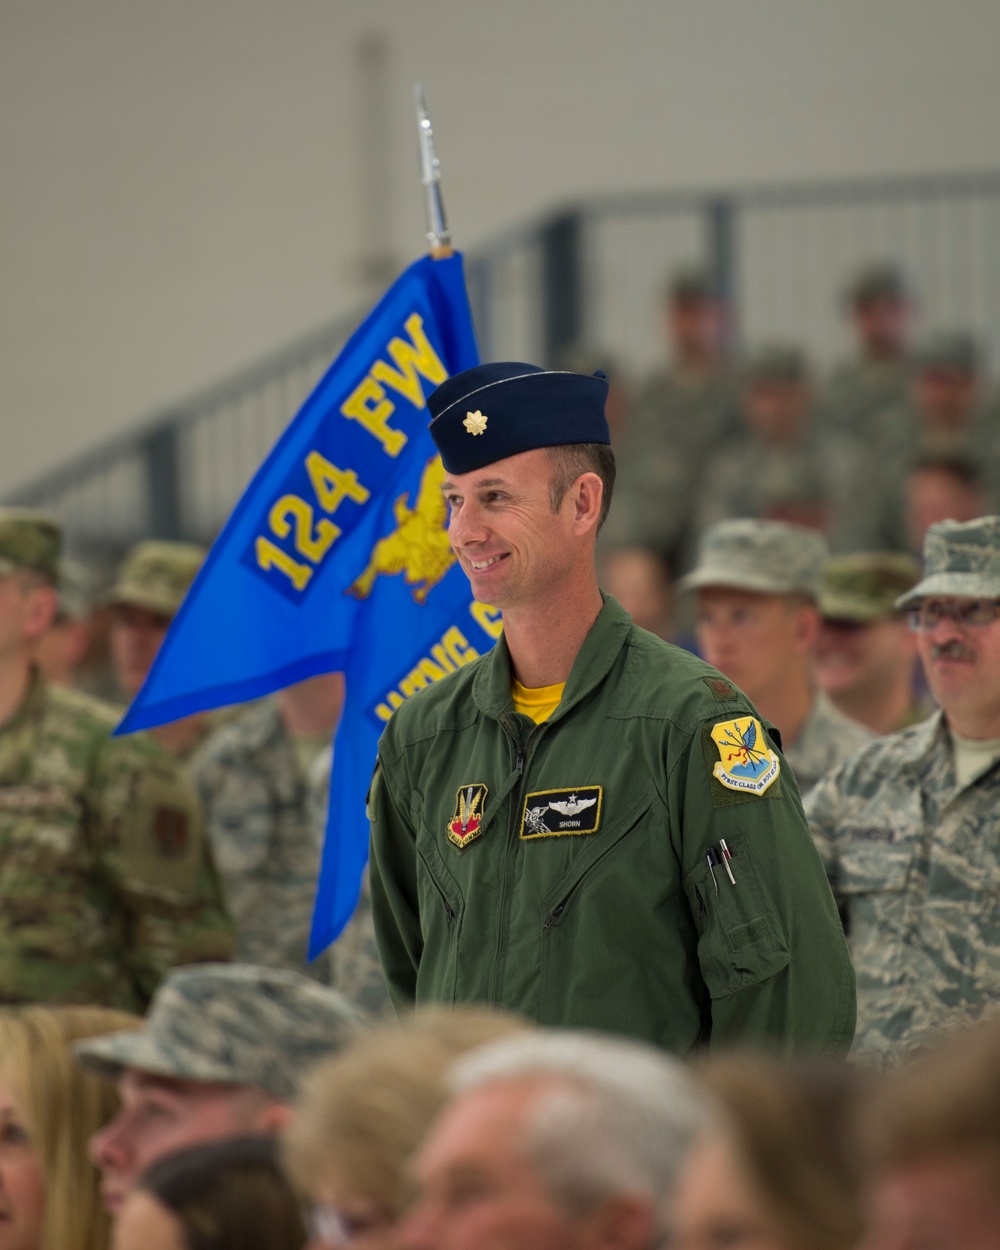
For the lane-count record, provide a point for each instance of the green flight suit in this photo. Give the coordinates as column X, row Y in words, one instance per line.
column 582, row 895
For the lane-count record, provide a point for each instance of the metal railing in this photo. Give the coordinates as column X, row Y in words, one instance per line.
column 589, row 274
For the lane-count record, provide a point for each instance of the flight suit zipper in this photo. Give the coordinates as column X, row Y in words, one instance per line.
column 521, row 753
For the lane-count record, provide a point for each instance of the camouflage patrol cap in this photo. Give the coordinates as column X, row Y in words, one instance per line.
column 237, row 1024
column 766, row 557
column 961, row 558
column 882, row 280
column 29, row 540
column 156, row 575
column 949, row 350
column 778, row 362
column 865, row 585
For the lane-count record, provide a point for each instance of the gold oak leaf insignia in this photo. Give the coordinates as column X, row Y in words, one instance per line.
column 475, row 422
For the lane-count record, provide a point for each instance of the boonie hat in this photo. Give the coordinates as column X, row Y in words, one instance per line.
column 157, row 575
column 768, row 557
column 961, row 558
column 864, row 586
column 498, row 410
column 237, row 1024
column 29, row 539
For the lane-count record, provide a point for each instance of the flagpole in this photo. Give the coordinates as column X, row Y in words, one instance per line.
column 438, row 230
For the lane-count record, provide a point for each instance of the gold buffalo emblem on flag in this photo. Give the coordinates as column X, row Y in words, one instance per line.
column 418, row 547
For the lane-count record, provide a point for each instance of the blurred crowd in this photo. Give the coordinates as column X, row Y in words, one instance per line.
column 174, row 1073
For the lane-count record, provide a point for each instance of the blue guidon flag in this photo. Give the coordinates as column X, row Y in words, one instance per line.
column 337, row 559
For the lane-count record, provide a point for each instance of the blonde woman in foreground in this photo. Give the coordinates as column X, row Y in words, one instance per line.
column 49, row 1107
column 362, row 1114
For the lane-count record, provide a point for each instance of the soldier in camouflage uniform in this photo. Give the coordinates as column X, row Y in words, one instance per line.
column 149, row 589
column 221, row 1054
column 758, row 583
column 909, row 828
column 681, row 414
column 776, row 468
column 863, row 390
column 944, row 418
column 253, row 779
column 105, row 875
column 867, row 654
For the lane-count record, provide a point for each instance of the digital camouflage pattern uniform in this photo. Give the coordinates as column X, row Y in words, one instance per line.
column 826, row 739
column 104, row 870
column 264, row 838
column 780, row 558
column 914, row 859
column 231, row 1023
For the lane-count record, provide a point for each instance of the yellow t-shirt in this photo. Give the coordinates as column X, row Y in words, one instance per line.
column 539, row 703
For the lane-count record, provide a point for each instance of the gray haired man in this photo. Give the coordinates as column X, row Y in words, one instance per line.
column 555, row 1141
column 909, row 827
column 220, row 1055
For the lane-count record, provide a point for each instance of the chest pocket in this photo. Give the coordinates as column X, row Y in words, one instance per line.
column 741, row 940
column 870, row 866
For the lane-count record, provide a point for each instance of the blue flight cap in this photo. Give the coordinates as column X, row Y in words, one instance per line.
column 498, row 410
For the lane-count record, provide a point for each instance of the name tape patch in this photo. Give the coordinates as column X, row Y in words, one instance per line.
column 554, row 813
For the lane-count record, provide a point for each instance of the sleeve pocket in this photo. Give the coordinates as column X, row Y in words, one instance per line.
column 741, row 941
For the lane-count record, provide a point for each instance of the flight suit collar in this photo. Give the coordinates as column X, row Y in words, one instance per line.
column 601, row 648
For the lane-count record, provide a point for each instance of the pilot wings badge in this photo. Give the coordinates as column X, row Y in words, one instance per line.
column 551, row 813
column 747, row 763
column 468, row 817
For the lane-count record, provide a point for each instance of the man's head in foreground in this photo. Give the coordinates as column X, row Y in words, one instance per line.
column 933, row 1149
column 149, row 589
column 220, row 1055
column 528, row 477
column 955, row 613
column 555, row 1141
column 867, row 652
column 757, row 584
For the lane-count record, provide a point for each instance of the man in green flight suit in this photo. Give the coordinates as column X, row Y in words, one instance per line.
column 105, row 876
column 588, row 825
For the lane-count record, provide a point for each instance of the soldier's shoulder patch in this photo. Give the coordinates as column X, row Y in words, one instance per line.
column 466, row 823
column 722, row 691
column 741, row 759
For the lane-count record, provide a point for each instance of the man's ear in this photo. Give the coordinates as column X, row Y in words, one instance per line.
column 40, row 609
column 808, row 624
column 620, row 1222
column 587, row 493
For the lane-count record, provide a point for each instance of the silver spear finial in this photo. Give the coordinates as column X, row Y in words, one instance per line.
column 438, row 232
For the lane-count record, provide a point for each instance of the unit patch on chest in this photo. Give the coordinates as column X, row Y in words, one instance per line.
column 553, row 813
column 468, row 817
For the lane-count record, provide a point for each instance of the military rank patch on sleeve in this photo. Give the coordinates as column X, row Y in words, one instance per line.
column 553, row 813
column 468, row 817
column 746, row 762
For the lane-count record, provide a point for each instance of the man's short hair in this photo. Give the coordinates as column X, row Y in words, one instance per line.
column 620, row 1118
column 574, row 459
